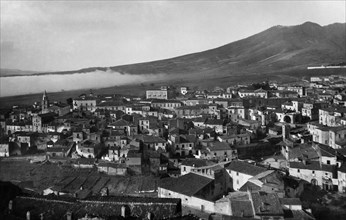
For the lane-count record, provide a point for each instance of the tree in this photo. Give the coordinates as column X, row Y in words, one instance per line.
column 69, row 101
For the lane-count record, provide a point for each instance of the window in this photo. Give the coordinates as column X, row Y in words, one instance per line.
column 328, row 161
column 313, row 172
column 298, row 170
column 184, row 168
column 237, row 173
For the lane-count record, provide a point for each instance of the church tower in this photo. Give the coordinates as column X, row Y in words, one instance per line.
column 45, row 103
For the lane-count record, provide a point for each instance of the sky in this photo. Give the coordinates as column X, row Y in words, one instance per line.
column 69, row 35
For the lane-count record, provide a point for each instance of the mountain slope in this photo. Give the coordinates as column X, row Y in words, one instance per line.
column 280, row 49
column 276, row 49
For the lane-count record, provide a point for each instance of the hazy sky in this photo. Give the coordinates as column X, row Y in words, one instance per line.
column 68, row 35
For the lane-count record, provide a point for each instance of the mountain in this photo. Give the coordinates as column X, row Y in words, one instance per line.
column 15, row 72
column 277, row 50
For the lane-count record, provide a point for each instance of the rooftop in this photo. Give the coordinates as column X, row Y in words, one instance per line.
column 244, row 167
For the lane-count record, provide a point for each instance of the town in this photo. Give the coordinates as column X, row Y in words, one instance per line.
column 266, row 150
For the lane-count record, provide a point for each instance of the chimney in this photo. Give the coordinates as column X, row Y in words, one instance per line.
column 123, row 209
column 41, row 216
column 69, row 215
column 10, row 206
column 149, row 215
column 28, row 215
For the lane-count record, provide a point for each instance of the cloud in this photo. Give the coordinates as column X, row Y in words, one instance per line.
column 19, row 85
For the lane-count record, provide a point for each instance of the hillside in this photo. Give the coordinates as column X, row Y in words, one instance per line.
column 276, row 49
column 280, row 49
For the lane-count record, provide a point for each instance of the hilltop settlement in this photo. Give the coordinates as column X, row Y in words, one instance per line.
column 259, row 151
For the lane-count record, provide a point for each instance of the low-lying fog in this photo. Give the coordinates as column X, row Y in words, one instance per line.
column 20, row 85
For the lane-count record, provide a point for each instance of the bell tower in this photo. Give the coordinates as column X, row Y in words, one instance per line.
column 45, row 103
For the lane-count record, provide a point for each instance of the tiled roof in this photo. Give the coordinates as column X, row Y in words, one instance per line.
column 196, row 162
column 109, row 207
column 290, row 201
column 119, row 122
column 215, row 122
column 189, row 184
column 266, row 203
column 219, row 146
column 244, row 167
column 303, row 151
column 242, row 208
column 113, row 165
column 312, row 165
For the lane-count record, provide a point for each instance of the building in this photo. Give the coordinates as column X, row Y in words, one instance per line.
column 112, row 168
column 189, row 164
column 241, row 171
column 195, row 191
column 40, row 122
column 45, row 103
column 157, row 94
column 85, row 103
column 315, row 173
column 255, row 93
column 342, row 178
column 4, row 149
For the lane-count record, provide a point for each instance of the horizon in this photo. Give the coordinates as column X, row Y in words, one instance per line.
column 36, row 37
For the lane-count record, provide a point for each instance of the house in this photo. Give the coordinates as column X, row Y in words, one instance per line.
column 337, row 137
column 157, row 94
column 331, row 116
column 236, row 112
column 187, row 165
column 24, row 137
column 184, row 90
column 237, row 205
column 153, row 142
column 216, row 124
column 84, row 163
column 251, row 125
column 120, row 124
column 57, row 152
column 183, row 144
column 59, row 109
column 311, row 109
column 112, row 168
column 85, row 103
column 4, row 149
column 166, row 104
column 256, row 93
column 195, row 191
column 235, row 139
column 342, row 178
column 269, row 181
column 315, row 172
column 134, row 158
column 40, row 122
column 191, row 111
column 113, row 154
column 88, row 149
column 266, row 206
column 241, row 172
column 220, row 151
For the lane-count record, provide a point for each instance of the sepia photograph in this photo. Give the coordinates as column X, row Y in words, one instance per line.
column 172, row 109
